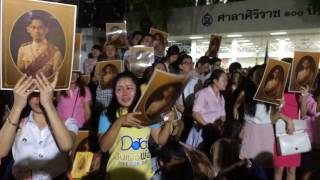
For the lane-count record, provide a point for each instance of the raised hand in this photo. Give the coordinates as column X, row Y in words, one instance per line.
column 22, row 90
column 129, row 120
column 46, row 88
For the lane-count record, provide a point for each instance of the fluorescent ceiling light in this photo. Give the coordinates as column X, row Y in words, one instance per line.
column 243, row 40
column 234, row 35
column 247, row 44
column 171, row 41
column 195, row 37
column 278, row 33
column 206, row 42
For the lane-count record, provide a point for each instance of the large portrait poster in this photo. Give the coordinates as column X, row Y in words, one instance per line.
column 116, row 33
column 304, row 70
column 38, row 37
column 140, row 57
column 273, row 82
column 77, row 52
column 106, row 71
column 214, row 46
column 160, row 96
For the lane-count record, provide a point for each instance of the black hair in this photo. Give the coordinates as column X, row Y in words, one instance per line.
column 250, row 89
column 179, row 61
column 173, row 150
column 203, row 60
column 215, row 75
column 136, row 33
column 214, row 60
column 114, row 105
column 316, row 92
column 170, row 150
column 146, row 35
column 97, row 46
column 233, row 67
column 174, row 49
column 39, row 15
column 149, row 71
column 231, row 129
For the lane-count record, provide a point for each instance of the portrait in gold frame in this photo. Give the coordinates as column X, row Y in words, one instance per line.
column 54, row 53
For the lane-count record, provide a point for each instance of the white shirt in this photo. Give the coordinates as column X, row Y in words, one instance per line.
column 35, row 150
column 262, row 116
column 188, row 90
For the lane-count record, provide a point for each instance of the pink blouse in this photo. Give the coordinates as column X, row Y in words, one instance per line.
column 310, row 117
column 208, row 105
column 66, row 105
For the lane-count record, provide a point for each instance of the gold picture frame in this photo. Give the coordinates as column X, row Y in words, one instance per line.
column 273, row 82
column 303, row 76
column 160, row 96
column 24, row 53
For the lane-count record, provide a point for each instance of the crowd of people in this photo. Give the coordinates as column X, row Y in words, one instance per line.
column 216, row 130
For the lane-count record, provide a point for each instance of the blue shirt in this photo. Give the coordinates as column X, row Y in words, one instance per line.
column 105, row 124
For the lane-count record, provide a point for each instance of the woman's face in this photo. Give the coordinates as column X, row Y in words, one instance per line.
column 173, row 58
column 187, row 65
column 125, row 91
column 168, row 93
column 136, row 39
column 110, row 51
column 147, row 41
column 34, row 103
column 222, row 82
column 108, row 75
column 276, row 73
column 236, row 78
column 306, row 63
column 96, row 53
column 160, row 66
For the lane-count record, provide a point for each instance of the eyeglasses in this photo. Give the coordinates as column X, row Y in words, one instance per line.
column 188, row 62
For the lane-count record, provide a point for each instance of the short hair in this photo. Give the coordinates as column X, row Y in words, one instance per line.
column 38, row 17
column 97, row 47
column 136, row 33
column 203, row 60
column 234, row 66
column 214, row 60
column 146, row 35
column 181, row 58
column 174, row 49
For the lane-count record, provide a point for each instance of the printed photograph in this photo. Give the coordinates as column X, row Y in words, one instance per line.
column 304, row 70
column 106, row 71
column 160, row 96
column 139, row 59
column 116, row 33
column 273, row 82
column 37, row 38
column 214, row 46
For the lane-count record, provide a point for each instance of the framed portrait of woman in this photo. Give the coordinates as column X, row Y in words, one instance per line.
column 160, row 96
column 214, row 46
column 106, row 71
column 273, row 82
column 304, row 70
column 37, row 37
column 116, row 33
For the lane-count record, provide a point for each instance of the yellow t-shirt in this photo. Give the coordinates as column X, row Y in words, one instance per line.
column 129, row 156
